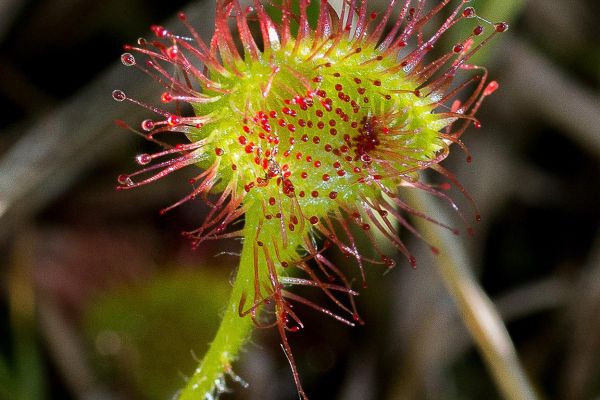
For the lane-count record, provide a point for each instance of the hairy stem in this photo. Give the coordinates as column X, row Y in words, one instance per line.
column 233, row 333
column 475, row 308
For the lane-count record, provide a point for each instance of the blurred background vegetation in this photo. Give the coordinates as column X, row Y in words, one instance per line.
column 100, row 297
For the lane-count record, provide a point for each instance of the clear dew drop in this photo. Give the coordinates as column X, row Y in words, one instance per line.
column 469, row 12
column 127, row 59
column 118, row 95
column 147, row 125
column 173, row 120
column 143, row 159
column 125, row 180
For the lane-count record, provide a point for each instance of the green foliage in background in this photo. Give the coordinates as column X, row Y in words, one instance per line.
column 149, row 334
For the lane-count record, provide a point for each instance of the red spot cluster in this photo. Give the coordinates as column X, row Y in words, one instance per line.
column 263, row 134
column 368, row 137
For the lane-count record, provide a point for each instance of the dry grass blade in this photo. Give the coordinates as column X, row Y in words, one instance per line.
column 475, row 308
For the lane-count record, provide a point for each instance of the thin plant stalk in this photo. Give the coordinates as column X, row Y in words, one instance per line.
column 233, row 333
column 477, row 311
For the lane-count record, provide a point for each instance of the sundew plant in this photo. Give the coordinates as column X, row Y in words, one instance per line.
column 309, row 124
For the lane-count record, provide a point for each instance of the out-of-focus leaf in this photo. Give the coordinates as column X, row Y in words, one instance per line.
column 6, row 382
column 147, row 334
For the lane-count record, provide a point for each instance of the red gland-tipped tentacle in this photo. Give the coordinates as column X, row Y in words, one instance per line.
column 202, row 52
column 269, row 32
column 443, row 171
column 384, row 206
column 392, row 34
column 400, row 41
column 303, row 26
column 314, row 254
column 414, row 58
column 174, row 56
column 375, row 36
column 361, row 19
column 285, row 31
column 222, row 42
column 166, row 80
column 168, row 167
column 286, row 280
column 353, row 247
column 304, row 267
column 208, row 182
column 405, row 207
column 389, row 230
column 314, row 306
column 250, row 48
column 393, row 238
column 325, row 263
column 425, row 73
column 458, row 89
column 124, row 125
column 328, row 232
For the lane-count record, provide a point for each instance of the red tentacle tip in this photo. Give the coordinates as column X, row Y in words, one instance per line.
column 118, row 95
column 501, row 27
column 120, row 123
column 127, row 59
column 491, row 88
column 166, row 97
column 159, row 31
column 173, row 120
column 173, row 53
column 412, row 261
column 468, row 12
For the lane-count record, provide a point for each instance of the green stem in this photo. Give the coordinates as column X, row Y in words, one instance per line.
column 233, row 333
